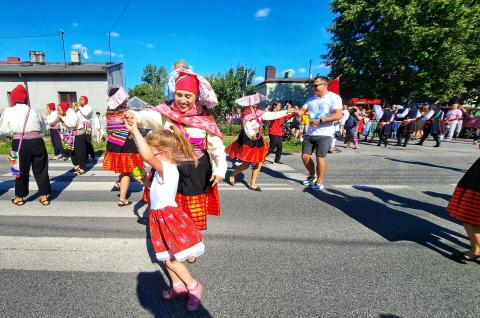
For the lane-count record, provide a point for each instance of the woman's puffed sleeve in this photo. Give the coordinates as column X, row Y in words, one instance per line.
column 251, row 129
column 218, row 157
column 70, row 119
column 4, row 123
column 41, row 121
column 148, row 119
column 52, row 118
column 273, row 115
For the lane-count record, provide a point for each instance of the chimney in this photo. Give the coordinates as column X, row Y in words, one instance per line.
column 37, row 57
column 13, row 60
column 75, row 57
column 270, row 73
column 288, row 74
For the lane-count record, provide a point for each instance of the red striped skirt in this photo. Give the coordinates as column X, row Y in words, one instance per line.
column 122, row 162
column 465, row 202
column 198, row 206
column 174, row 234
column 247, row 153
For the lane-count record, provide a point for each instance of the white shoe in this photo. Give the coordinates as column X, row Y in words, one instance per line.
column 309, row 181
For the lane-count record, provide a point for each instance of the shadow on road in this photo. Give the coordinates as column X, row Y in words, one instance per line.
column 150, row 286
column 392, row 224
column 444, row 196
column 427, row 164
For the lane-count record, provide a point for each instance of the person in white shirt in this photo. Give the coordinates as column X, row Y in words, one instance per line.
column 97, row 123
column 26, row 127
column 325, row 108
column 85, row 114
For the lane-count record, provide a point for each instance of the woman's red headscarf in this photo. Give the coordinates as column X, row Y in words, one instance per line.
column 64, row 106
column 18, row 95
column 85, row 98
column 187, row 82
column 51, row 106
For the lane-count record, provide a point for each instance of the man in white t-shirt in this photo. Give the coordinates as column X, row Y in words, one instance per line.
column 325, row 108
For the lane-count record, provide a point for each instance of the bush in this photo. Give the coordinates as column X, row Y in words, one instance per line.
column 229, row 129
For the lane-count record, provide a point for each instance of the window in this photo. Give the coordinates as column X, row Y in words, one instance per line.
column 69, row 97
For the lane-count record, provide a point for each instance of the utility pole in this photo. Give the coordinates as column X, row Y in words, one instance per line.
column 310, row 70
column 110, row 45
column 62, row 33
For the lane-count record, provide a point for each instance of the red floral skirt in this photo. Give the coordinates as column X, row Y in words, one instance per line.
column 122, row 162
column 174, row 235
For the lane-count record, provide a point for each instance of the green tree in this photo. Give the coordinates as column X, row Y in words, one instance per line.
column 394, row 48
column 228, row 88
column 152, row 90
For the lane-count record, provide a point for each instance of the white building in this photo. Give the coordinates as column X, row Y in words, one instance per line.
column 56, row 82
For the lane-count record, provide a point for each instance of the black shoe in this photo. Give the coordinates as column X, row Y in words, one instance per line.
column 419, row 144
column 404, row 145
column 379, row 144
column 436, row 146
column 279, row 162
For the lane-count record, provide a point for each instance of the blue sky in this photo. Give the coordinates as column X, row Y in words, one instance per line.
column 210, row 35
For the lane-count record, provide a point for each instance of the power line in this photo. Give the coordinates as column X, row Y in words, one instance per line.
column 121, row 15
column 29, row 36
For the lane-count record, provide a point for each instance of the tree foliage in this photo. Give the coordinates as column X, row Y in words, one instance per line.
column 394, row 48
column 228, row 88
column 152, row 90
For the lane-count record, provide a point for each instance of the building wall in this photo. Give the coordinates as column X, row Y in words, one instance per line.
column 43, row 90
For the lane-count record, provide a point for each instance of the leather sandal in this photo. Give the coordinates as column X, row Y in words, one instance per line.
column 123, row 203
column 18, row 201
column 45, row 201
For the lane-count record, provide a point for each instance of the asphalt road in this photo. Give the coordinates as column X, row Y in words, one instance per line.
column 374, row 244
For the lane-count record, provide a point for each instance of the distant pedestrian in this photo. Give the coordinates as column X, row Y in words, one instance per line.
column 325, row 108
column 275, row 133
column 98, row 126
column 465, row 207
column 351, row 128
column 174, row 236
column 453, row 116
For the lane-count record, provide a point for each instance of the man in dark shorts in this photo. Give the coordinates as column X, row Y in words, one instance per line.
column 325, row 109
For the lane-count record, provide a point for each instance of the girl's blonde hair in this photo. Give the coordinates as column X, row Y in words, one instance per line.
column 173, row 145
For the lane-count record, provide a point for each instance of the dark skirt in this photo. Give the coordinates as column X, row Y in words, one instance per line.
column 195, row 194
column 465, row 202
column 248, row 150
column 408, row 128
column 384, row 130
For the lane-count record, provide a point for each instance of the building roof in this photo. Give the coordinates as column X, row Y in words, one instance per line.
column 55, row 68
column 285, row 80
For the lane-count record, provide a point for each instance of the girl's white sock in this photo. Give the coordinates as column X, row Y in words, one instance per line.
column 193, row 285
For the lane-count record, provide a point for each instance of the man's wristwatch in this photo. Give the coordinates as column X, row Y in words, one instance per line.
column 321, row 121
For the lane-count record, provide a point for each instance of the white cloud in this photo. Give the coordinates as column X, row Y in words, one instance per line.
column 77, row 46
column 114, row 34
column 75, row 24
column 258, row 79
column 320, row 66
column 289, row 70
column 106, row 53
column 302, row 70
column 150, row 45
column 262, row 13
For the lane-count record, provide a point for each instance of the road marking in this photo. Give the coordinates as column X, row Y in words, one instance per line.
column 58, row 186
column 116, row 255
column 278, row 167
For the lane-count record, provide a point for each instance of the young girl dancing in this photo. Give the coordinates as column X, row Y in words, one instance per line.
column 174, row 235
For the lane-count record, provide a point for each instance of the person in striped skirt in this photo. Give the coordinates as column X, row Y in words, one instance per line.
column 465, row 207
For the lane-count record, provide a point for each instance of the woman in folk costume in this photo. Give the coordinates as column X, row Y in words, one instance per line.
column 85, row 113
column 26, row 126
column 197, row 192
column 74, row 136
column 465, row 207
column 121, row 155
column 249, row 146
column 55, row 134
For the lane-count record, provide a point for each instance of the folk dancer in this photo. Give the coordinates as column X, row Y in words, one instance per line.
column 408, row 124
column 55, row 134
column 26, row 127
column 193, row 98
column 434, row 125
column 384, row 126
column 121, row 155
column 86, row 114
column 249, row 146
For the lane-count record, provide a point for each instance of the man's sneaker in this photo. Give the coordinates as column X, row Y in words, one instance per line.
column 309, row 181
column 317, row 186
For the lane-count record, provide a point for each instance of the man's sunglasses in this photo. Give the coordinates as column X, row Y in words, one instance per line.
column 316, row 85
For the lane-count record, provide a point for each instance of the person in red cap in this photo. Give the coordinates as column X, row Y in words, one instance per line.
column 55, row 135
column 197, row 192
column 85, row 113
column 26, row 126
column 74, row 136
